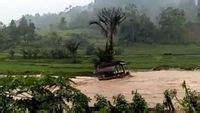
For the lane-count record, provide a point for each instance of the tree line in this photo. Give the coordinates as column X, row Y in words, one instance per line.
column 136, row 27
column 170, row 28
column 23, row 38
column 79, row 16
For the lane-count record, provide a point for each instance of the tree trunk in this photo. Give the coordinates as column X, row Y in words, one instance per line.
column 74, row 57
column 111, row 48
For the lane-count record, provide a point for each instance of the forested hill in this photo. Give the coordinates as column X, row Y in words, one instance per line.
column 51, row 20
column 80, row 16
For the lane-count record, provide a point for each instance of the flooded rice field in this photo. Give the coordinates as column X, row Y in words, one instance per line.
column 150, row 84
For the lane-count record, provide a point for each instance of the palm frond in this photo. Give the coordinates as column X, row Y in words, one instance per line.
column 104, row 30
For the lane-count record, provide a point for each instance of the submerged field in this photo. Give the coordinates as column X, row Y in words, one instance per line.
column 151, row 85
column 138, row 57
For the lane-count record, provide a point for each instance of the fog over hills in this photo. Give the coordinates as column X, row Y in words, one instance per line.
column 80, row 15
column 14, row 9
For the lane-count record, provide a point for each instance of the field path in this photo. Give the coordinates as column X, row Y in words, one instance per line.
column 150, row 84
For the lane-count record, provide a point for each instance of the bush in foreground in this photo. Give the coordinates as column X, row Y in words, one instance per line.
column 55, row 94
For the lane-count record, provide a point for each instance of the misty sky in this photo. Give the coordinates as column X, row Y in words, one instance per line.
column 14, row 9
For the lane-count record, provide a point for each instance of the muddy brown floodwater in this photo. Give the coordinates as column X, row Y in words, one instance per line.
column 150, row 84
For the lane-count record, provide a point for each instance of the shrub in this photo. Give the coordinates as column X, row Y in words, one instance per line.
column 44, row 53
column 24, row 53
column 121, row 103
column 90, row 50
column 82, row 39
column 72, row 46
column 138, row 105
column 58, row 53
column 105, row 110
column 80, row 102
column 11, row 53
column 160, row 108
column 118, row 51
column 101, row 102
column 30, row 53
column 191, row 101
column 35, row 53
column 103, row 55
column 41, row 97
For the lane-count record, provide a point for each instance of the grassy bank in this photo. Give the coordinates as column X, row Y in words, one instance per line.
column 138, row 56
column 42, row 66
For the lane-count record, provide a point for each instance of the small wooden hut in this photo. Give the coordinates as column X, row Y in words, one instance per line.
column 111, row 70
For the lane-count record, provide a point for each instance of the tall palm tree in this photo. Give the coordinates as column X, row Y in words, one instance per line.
column 108, row 22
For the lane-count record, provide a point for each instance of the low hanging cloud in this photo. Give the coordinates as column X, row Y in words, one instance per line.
column 14, row 9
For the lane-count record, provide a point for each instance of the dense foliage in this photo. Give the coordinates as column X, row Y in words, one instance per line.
column 137, row 27
column 172, row 25
column 54, row 94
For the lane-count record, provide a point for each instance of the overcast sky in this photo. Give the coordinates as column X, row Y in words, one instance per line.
column 14, row 9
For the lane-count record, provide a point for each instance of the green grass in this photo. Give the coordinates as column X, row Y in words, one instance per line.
column 185, row 49
column 45, row 66
column 153, row 61
column 149, row 56
column 138, row 56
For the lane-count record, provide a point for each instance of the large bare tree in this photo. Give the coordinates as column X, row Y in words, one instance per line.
column 108, row 21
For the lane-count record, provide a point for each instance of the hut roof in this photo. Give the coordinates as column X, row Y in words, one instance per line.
column 110, row 64
column 106, row 69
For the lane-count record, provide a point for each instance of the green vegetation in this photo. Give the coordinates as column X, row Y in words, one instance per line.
column 108, row 22
column 67, row 45
column 19, row 66
column 138, row 105
column 59, row 46
column 138, row 57
column 53, row 94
